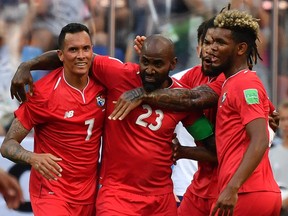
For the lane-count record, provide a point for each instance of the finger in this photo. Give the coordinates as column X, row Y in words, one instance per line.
column 214, row 210
column 117, row 108
column 231, row 212
column 137, row 42
column 21, row 93
column 43, row 171
column 55, row 168
column 54, row 158
column 122, row 113
column 14, row 93
column 125, row 113
column 30, row 88
column 221, row 211
column 137, row 50
column 46, row 173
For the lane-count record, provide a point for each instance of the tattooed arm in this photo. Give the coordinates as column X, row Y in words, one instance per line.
column 46, row 164
column 201, row 97
column 11, row 147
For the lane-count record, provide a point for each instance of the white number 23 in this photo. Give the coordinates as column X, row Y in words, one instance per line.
column 141, row 119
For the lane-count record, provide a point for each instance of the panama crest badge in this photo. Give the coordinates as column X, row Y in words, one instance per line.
column 100, row 100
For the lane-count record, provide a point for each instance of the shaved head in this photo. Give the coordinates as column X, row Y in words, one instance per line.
column 159, row 45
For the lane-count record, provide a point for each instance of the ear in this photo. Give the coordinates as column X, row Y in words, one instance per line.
column 60, row 55
column 173, row 63
column 242, row 48
column 198, row 49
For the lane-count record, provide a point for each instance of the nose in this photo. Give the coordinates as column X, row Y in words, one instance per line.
column 209, row 49
column 150, row 70
column 80, row 54
column 214, row 46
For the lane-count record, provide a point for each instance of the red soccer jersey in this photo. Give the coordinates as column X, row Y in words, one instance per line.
column 242, row 100
column 137, row 150
column 68, row 123
column 204, row 183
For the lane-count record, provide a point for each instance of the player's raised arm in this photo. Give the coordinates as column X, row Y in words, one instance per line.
column 47, row 61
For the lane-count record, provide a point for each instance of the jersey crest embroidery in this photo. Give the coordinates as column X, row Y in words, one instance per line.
column 100, row 100
column 251, row 96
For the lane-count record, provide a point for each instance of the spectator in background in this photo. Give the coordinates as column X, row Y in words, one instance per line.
column 7, row 106
column 10, row 190
column 279, row 157
column 100, row 32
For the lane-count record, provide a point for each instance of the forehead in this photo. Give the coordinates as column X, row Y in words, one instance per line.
column 218, row 33
column 156, row 50
column 77, row 39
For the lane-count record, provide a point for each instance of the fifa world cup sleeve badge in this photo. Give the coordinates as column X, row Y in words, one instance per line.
column 251, row 96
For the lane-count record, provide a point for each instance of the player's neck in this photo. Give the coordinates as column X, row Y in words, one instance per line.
column 77, row 81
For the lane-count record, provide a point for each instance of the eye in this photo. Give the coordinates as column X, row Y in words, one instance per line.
column 144, row 61
column 87, row 48
column 206, row 42
column 72, row 49
column 158, row 64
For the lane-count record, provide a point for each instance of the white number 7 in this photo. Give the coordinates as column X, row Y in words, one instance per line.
column 89, row 122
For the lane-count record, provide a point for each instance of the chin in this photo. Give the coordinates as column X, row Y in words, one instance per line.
column 82, row 71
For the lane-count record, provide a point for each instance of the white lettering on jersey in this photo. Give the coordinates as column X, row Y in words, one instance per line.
column 141, row 119
column 69, row 114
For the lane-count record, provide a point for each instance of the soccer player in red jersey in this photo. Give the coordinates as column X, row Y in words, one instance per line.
column 245, row 174
column 137, row 171
column 67, row 113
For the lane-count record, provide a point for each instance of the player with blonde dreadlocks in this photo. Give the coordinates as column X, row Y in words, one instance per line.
column 245, row 180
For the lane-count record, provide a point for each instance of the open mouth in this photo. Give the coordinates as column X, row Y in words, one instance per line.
column 208, row 60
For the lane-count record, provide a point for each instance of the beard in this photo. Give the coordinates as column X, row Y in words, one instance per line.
column 214, row 71
column 151, row 86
